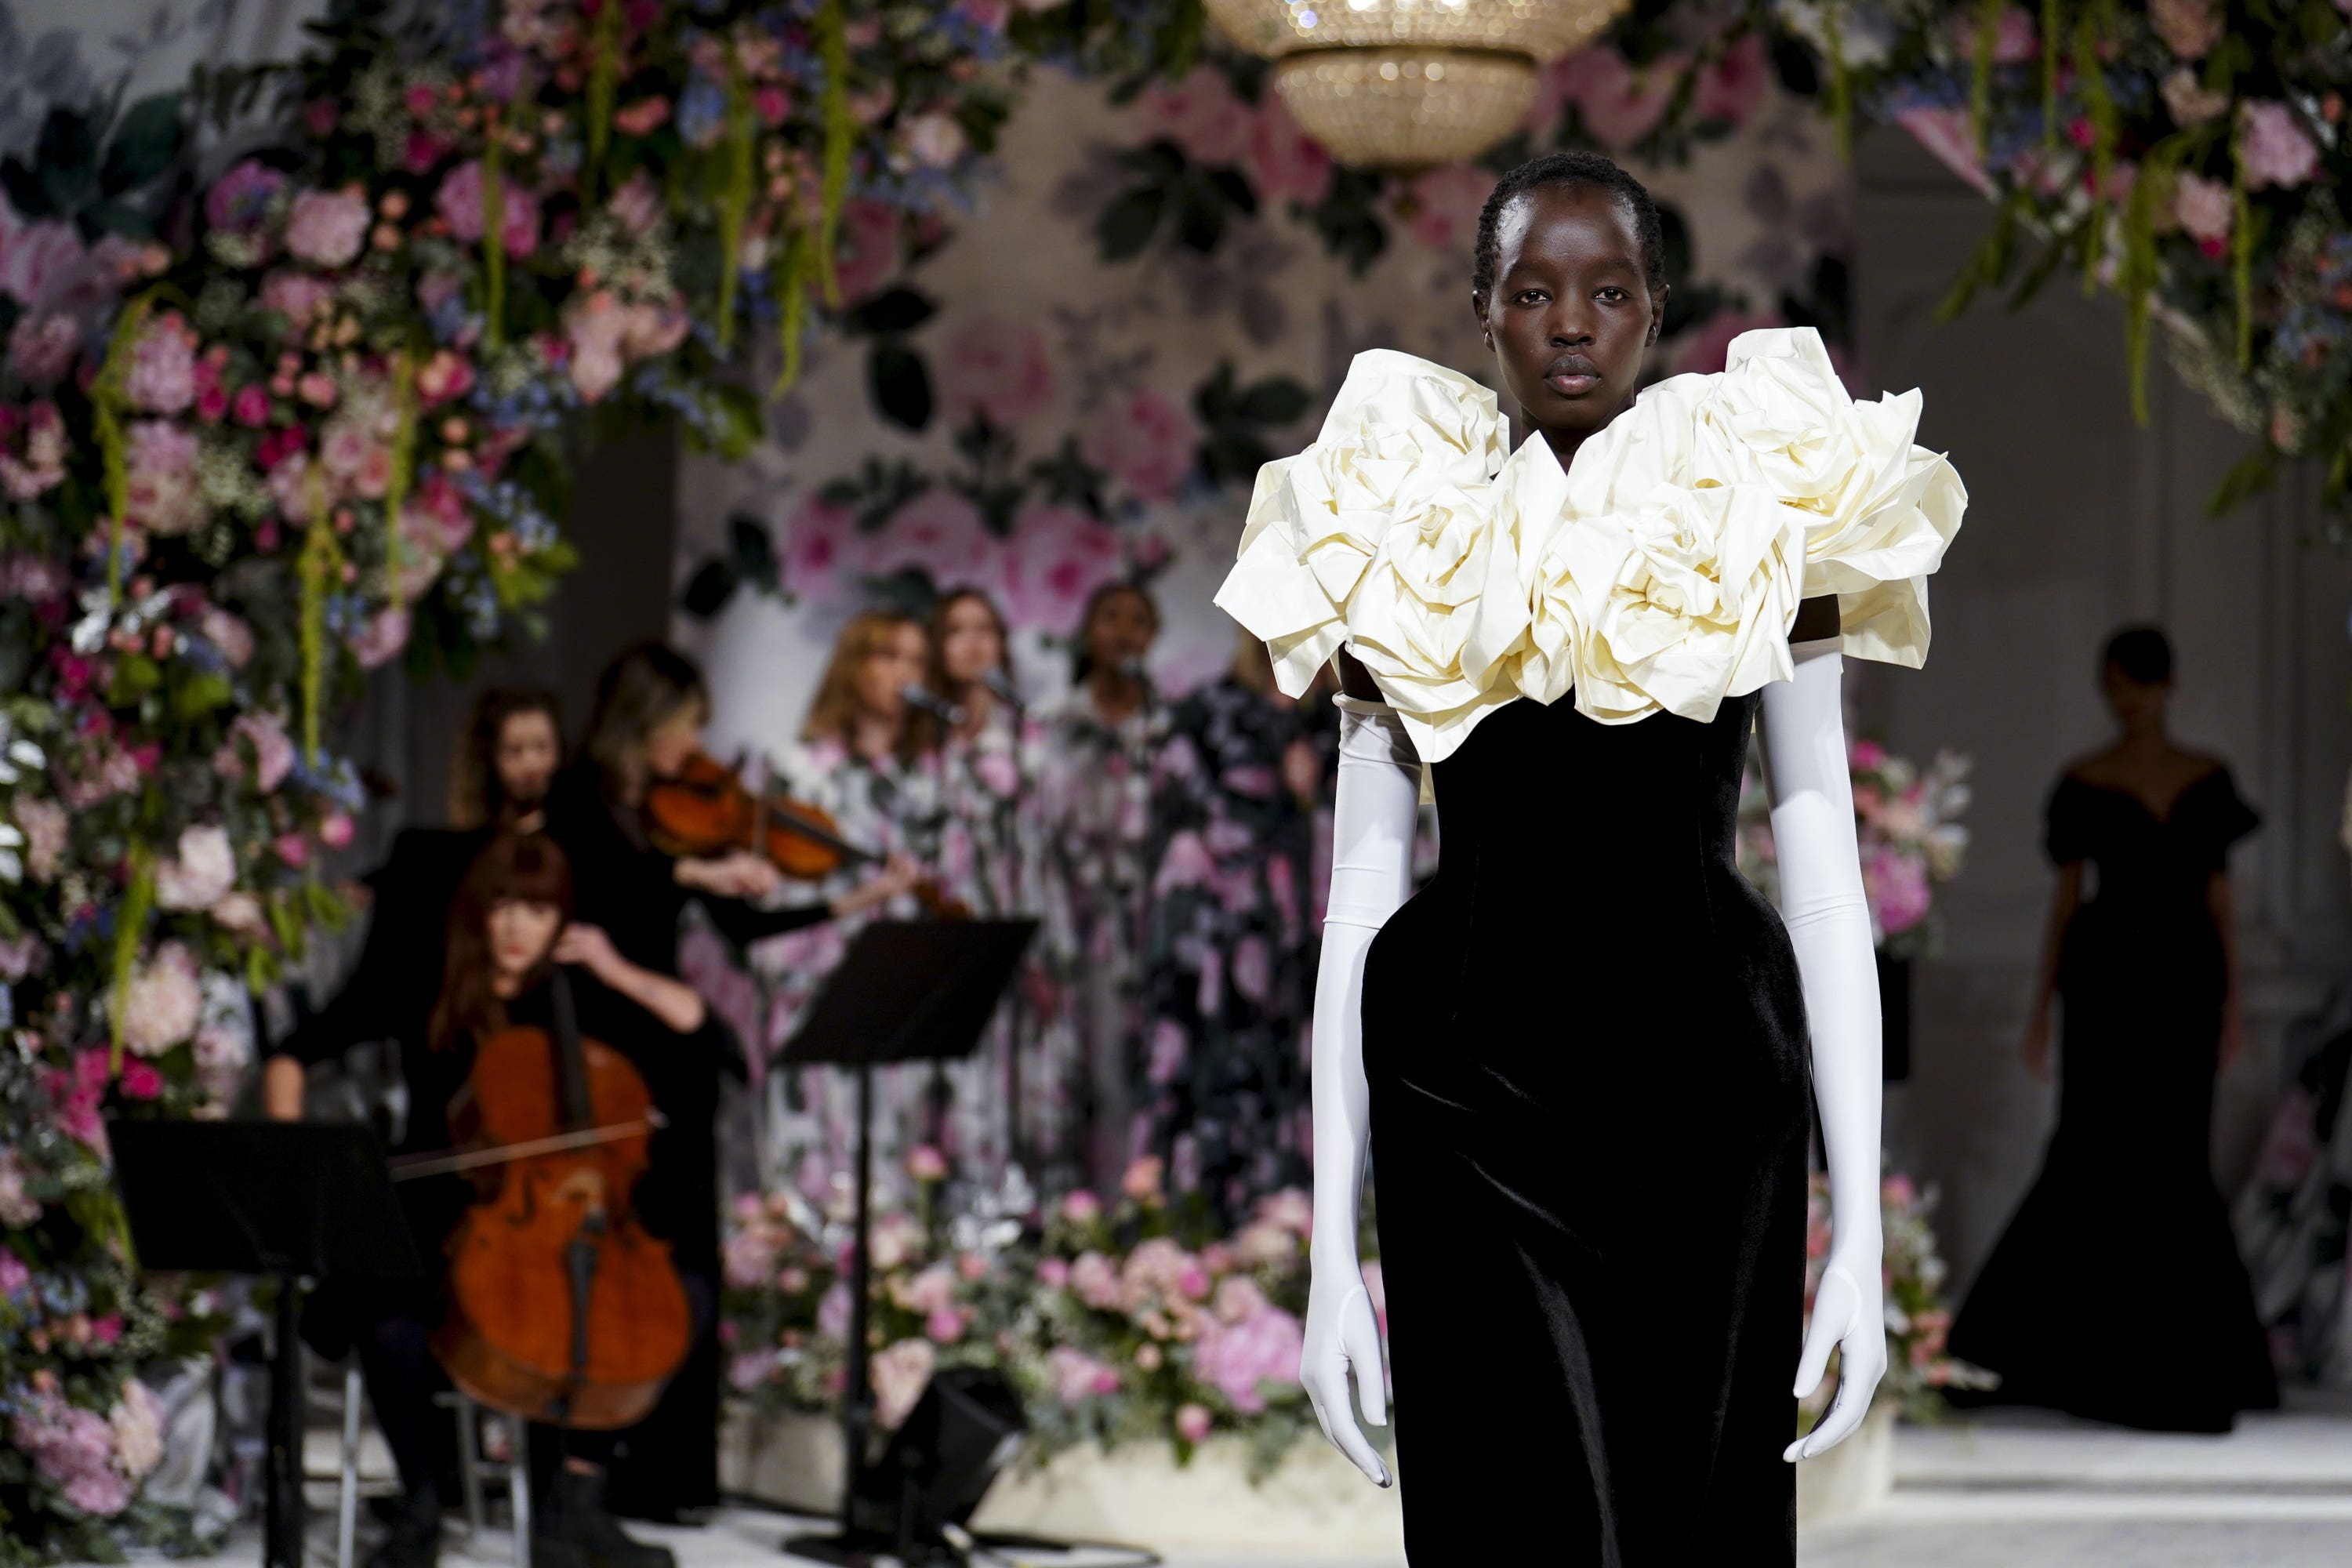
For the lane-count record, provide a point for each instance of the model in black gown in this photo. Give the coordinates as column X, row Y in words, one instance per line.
column 2124, row 1222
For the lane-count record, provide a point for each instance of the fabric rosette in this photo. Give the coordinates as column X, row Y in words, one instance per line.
column 1383, row 534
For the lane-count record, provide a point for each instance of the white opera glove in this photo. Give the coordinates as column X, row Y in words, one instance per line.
column 1371, row 873
column 1828, row 919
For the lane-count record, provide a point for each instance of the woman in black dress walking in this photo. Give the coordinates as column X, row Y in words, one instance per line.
column 2145, row 973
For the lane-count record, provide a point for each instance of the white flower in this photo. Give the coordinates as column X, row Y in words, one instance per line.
column 201, row 874
column 163, row 1003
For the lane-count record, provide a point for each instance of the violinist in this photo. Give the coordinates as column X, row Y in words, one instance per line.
column 511, row 926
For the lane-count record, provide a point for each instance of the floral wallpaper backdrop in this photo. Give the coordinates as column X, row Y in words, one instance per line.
column 1154, row 296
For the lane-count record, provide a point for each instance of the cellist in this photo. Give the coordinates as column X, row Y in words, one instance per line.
column 511, row 926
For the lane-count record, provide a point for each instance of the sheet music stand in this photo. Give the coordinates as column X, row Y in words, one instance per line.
column 910, row 991
column 293, row 1201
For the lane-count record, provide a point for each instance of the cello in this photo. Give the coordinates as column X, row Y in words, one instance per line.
column 561, row 1308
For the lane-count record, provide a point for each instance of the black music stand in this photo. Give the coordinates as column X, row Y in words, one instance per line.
column 296, row 1201
column 910, row 991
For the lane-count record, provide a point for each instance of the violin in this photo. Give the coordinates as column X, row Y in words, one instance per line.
column 562, row 1308
column 706, row 809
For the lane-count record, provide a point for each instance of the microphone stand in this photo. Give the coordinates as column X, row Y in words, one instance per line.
column 1010, row 695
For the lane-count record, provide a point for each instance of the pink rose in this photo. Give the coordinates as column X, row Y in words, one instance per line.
column 1200, row 115
column 163, row 1003
column 868, row 253
column 327, row 228
column 1094, row 1279
column 821, row 544
column 1898, row 889
column 2014, row 42
column 141, row 1081
column 293, row 848
column 940, row 532
column 1143, row 1179
column 1440, row 208
column 1077, row 1376
column 1193, row 1421
column 1056, row 558
column 1735, row 85
column 250, row 408
column 1081, row 1207
column 42, row 346
column 1054, row 1273
column 1284, row 163
column 298, row 296
column 926, row 1163
column 2203, row 207
column 946, row 1325
column 1619, row 104
column 459, row 203
column 335, row 832
column 1145, row 440
column 2277, row 151
column 995, row 368
column 383, row 637
column 163, row 378
column 1705, row 347
column 1239, row 1359
column 2190, row 27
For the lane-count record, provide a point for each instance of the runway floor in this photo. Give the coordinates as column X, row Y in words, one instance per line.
column 2002, row 1490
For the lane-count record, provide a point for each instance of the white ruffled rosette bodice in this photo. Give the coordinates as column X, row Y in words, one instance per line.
column 1659, row 573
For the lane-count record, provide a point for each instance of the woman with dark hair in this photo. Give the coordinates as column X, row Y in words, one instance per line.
column 2144, row 972
column 1588, row 1052
column 513, row 745
column 1096, row 781
column 510, row 928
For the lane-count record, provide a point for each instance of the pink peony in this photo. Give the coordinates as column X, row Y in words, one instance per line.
column 200, row 873
column 1200, row 115
column 1440, row 208
column 2277, row 153
column 1239, row 1359
column 995, row 368
column 298, row 296
column 944, row 1326
column 42, row 346
column 2203, row 207
column 459, row 203
column 1094, row 1279
column 1054, row 1273
column 1077, row 1376
column 163, row 495
column 73, row 1450
column 1284, row 163
column 1705, row 347
column 1193, row 1421
column 1734, row 86
column 939, row 532
column 1057, row 557
column 272, row 751
column 821, row 544
column 2188, row 27
column 1145, row 440
column 327, row 228
column 163, row 378
column 1619, row 104
column 163, row 1003
column 1081, row 1207
column 1238, row 1298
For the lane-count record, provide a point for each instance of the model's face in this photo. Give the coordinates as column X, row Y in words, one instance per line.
column 520, row 935
column 674, row 740
column 896, row 663
column 968, row 644
column 1571, row 311
column 2135, row 704
column 1120, row 631
column 526, row 758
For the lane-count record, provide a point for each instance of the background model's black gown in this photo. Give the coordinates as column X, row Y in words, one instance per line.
column 2124, row 1231
column 1591, row 1102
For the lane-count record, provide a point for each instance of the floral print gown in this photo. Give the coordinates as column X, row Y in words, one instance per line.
column 1232, row 936
column 1097, row 808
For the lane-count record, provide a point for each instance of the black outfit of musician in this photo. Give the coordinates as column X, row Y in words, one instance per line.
column 669, row 1463
column 2126, row 1192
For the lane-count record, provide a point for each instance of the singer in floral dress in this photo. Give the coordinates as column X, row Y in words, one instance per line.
column 1098, row 809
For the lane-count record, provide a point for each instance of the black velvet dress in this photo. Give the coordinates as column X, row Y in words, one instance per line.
column 2124, row 1227
column 1590, row 1105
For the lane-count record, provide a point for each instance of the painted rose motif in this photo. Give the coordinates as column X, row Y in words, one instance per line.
column 1200, row 114
column 938, row 531
column 995, row 369
column 1146, row 441
column 1284, row 163
column 1617, row 102
column 1056, row 558
column 1440, row 208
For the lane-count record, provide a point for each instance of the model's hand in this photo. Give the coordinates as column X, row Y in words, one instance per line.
column 588, row 946
column 2037, row 1043
column 1342, row 1335
column 1850, row 1316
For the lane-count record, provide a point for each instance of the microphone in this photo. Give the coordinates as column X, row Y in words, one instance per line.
column 924, row 700
column 1001, row 685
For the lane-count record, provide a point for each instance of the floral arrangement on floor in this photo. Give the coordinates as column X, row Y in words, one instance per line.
column 1917, row 1320
column 1121, row 1322
column 270, row 420
column 1907, row 825
column 1126, row 1323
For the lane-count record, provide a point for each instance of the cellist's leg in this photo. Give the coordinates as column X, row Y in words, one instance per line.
column 396, row 1362
column 573, row 1529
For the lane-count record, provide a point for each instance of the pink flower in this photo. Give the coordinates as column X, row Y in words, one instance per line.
column 869, row 254
column 200, row 873
column 13, row 1275
column 298, row 296
column 1193, row 1421
column 251, row 405
column 1077, row 1376
column 163, row 495
column 1734, row 86
column 945, row 1325
column 381, row 639
column 1944, row 130
column 643, row 117
column 163, row 1002
column 141, row 1081
column 1238, row 1359
column 2277, row 151
column 18, row 1210
column 940, row 532
column 163, row 378
column 73, row 1450
column 327, row 228
column 1057, row 557
column 1145, row 440
column 1898, row 889
column 44, row 823
column 42, row 346
column 1238, row 1298
column 273, row 751
column 1440, row 208
column 1200, row 115
column 2014, row 41
column 2203, row 207
column 1705, row 347
column 926, row 1163
column 335, row 830
column 1142, row 1180
column 1094, row 1279
column 749, row 1371
column 240, row 198
column 1619, row 104
column 1054, row 1273
column 1081, row 1207
column 293, row 849
column 636, row 202
column 1167, row 1052
column 2190, row 27
column 901, row 1373
column 821, row 544
column 1253, row 969
column 996, row 368
column 459, row 203
column 1866, row 756
column 1185, row 863
column 1284, row 163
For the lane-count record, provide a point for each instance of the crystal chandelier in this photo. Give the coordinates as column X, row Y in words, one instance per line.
column 1406, row 84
